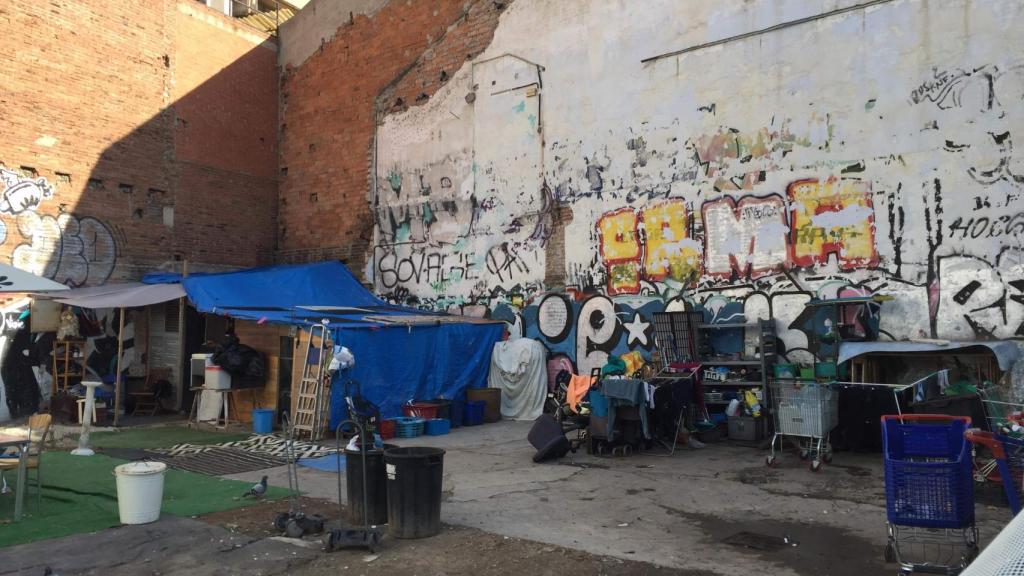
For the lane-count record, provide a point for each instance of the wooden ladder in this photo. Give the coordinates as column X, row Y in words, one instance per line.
column 314, row 385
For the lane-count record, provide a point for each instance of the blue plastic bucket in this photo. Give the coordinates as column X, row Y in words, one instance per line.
column 262, row 420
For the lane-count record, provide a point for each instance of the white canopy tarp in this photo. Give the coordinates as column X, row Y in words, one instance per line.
column 1006, row 352
column 129, row 295
column 17, row 280
column 518, row 368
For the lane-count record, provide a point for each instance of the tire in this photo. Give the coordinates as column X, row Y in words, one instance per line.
column 816, row 466
column 827, row 457
column 890, row 553
column 770, row 461
column 805, row 454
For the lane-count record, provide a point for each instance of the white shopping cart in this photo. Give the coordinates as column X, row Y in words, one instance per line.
column 807, row 411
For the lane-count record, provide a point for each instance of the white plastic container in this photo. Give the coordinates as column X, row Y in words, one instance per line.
column 217, row 378
column 140, row 491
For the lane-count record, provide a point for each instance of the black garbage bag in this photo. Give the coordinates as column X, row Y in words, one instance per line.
column 239, row 359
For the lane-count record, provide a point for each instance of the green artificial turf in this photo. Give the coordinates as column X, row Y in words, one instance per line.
column 80, row 495
column 160, row 437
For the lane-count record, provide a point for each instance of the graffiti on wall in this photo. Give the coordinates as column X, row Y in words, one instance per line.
column 70, row 250
column 67, row 249
column 748, row 238
column 728, row 223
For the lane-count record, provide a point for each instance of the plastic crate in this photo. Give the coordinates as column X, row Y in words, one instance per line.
column 408, row 427
column 424, row 410
column 928, row 471
column 437, row 427
column 473, row 414
column 387, row 429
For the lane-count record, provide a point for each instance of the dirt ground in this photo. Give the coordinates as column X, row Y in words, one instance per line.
column 455, row 551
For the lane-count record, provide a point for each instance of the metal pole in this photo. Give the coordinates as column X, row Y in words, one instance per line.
column 117, row 376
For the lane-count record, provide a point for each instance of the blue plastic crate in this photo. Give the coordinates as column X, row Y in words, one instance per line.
column 437, row 427
column 474, row 413
column 928, row 475
column 406, row 427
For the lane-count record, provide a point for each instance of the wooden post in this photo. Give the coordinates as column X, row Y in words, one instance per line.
column 117, row 376
column 185, row 376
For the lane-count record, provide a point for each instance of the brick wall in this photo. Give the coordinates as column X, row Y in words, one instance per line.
column 396, row 58
column 153, row 125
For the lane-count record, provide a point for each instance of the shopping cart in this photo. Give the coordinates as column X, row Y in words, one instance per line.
column 1009, row 457
column 1001, row 417
column 929, row 493
column 807, row 411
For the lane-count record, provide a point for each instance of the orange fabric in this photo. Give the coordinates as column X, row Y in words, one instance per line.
column 578, row 388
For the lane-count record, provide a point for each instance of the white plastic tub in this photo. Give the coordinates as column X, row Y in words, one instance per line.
column 140, row 491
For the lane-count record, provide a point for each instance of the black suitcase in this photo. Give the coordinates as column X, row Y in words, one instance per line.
column 548, row 438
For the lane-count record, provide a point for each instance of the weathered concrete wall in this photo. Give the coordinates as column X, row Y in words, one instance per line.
column 867, row 150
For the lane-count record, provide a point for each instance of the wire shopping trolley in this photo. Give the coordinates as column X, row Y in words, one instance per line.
column 1008, row 453
column 806, row 410
column 929, row 493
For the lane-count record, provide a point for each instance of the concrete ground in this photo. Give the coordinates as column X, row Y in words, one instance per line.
column 676, row 511
column 717, row 510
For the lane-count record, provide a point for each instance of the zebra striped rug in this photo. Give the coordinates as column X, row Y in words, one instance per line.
column 266, row 444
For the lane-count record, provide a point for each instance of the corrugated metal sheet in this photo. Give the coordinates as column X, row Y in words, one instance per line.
column 268, row 21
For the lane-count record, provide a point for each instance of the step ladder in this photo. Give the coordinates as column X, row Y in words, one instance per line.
column 313, row 397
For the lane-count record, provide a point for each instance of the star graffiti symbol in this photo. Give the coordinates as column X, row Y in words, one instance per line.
column 637, row 330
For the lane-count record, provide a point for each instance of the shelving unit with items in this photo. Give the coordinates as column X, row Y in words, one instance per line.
column 729, row 370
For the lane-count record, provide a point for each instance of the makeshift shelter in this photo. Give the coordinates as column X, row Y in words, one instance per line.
column 119, row 296
column 401, row 353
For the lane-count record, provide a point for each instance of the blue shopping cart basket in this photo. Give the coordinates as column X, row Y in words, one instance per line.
column 928, row 471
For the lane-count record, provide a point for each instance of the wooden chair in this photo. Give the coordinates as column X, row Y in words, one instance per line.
column 38, row 430
column 157, row 385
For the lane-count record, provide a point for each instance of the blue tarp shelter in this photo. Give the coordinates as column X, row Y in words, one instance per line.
column 401, row 353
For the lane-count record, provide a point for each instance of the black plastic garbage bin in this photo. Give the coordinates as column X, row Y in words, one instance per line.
column 376, row 496
column 414, row 491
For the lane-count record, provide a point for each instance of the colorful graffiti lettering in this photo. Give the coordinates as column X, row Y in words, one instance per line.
column 832, row 217
column 745, row 238
column 652, row 245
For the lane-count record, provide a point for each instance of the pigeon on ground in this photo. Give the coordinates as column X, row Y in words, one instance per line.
column 257, row 489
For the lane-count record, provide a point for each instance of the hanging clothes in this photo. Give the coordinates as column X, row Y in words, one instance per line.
column 578, row 388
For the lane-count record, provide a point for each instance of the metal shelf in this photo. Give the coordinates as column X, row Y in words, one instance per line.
column 731, row 325
column 710, row 362
column 709, row 384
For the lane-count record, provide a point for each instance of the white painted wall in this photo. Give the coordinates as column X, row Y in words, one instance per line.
column 898, row 118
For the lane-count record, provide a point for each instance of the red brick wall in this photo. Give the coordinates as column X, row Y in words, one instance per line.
column 330, row 103
column 130, row 110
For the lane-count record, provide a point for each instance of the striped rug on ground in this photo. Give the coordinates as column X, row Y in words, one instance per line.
column 267, row 444
column 217, row 461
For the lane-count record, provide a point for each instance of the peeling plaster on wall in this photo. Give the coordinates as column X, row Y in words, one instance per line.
column 866, row 152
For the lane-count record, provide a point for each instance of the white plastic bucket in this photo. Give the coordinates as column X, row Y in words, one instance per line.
column 140, row 490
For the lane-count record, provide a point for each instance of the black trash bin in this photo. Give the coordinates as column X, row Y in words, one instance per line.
column 414, row 491
column 377, row 496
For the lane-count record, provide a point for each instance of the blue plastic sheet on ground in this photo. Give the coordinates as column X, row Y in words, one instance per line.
column 398, row 364
column 326, row 463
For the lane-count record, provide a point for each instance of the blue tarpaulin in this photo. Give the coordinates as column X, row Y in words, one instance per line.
column 398, row 364
column 394, row 363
